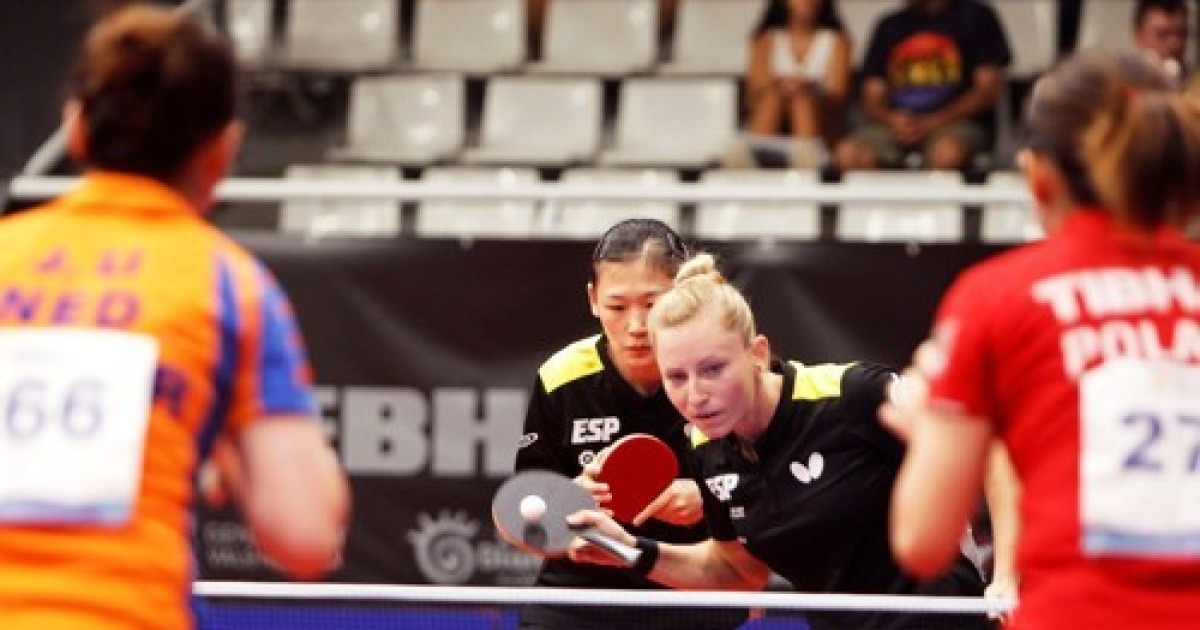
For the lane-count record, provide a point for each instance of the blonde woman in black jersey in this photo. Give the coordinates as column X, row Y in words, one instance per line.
column 794, row 469
column 595, row 391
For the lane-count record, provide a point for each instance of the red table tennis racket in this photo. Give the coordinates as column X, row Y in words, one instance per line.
column 637, row 468
column 530, row 511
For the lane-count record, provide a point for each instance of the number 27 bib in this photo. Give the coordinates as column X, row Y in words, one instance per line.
column 1140, row 459
column 74, row 411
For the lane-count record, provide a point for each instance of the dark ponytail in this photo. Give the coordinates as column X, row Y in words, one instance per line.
column 1124, row 138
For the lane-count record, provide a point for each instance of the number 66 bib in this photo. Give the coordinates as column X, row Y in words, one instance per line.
column 74, row 411
column 1139, row 472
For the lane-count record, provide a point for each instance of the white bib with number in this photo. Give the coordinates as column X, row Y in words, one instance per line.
column 1139, row 472
column 74, row 411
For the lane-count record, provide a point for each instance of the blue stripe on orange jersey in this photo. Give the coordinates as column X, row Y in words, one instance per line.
column 283, row 370
column 226, row 360
column 247, row 290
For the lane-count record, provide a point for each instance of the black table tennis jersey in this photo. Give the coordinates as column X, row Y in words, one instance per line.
column 581, row 405
column 810, row 498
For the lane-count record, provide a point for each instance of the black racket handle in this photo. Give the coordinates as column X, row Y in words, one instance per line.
column 626, row 554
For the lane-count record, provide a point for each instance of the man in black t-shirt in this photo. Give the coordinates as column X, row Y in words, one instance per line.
column 932, row 73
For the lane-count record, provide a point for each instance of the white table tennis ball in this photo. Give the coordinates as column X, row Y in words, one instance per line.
column 532, row 508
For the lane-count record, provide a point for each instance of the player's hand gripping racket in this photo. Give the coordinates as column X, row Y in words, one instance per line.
column 530, row 511
column 637, row 468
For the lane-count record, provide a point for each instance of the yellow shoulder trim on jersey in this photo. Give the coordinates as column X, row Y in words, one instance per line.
column 575, row 361
column 696, row 435
column 814, row 382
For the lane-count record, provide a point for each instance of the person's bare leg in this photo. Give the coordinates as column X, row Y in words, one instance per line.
column 852, row 155
column 946, row 153
column 766, row 114
column 805, row 116
column 804, row 113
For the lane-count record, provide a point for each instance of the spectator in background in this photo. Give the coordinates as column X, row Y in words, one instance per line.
column 797, row 83
column 1160, row 29
column 932, row 73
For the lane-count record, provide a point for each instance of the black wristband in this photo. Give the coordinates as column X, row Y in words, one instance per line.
column 645, row 562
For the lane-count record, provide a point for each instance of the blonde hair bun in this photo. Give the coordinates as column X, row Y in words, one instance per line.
column 701, row 266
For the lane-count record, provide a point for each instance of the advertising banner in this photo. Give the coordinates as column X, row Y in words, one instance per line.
column 425, row 351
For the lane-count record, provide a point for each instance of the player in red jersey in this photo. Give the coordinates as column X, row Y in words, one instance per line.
column 1082, row 353
column 132, row 336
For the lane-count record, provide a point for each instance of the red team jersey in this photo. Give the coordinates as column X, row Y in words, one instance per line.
column 152, row 334
column 1083, row 350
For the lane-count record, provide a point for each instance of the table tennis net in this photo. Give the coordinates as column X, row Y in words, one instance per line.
column 252, row 606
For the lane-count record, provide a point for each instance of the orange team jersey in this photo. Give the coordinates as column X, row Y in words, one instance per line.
column 131, row 332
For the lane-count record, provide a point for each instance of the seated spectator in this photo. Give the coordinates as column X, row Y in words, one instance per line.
column 1160, row 29
column 797, row 82
column 932, row 74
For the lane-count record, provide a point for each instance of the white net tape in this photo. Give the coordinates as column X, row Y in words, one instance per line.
column 476, row 595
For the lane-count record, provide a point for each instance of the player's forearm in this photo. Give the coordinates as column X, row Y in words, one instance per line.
column 702, row 566
column 303, row 532
column 296, row 498
column 936, row 489
column 1002, row 490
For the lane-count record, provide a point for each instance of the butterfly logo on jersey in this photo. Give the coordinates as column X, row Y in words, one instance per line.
column 811, row 472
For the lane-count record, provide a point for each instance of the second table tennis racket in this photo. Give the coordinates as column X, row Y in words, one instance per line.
column 637, row 468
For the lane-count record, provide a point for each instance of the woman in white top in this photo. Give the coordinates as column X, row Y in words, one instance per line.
column 799, row 73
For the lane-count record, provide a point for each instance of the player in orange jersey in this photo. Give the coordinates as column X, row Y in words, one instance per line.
column 132, row 336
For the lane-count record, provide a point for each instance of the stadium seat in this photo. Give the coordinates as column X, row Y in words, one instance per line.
column 1031, row 28
column 249, row 28
column 478, row 37
column 316, row 218
column 1009, row 222
column 712, row 37
column 477, row 218
column 543, row 121
column 860, row 17
column 737, row 219
column 925, row 222
column 1106, row 24
column 410, row 120
column 677, row 122
column 342, row 36
column 599, row 37
column 588, row 219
